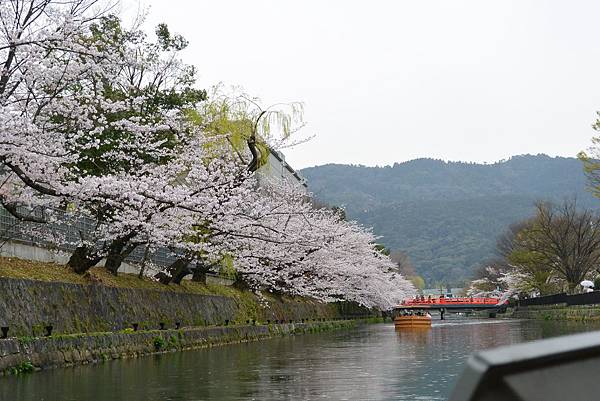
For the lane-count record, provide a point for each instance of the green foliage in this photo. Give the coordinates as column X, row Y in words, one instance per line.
column 382, row 249
column 238, row 121
column 179, row 95
column 418, row 282
column 233, row 125
column 23, row 367
column 25, row 340
column 340, row 212
column 540, row 278
column 173, row 341
column 524, row 257
column 167, row 41
column 445, row 215
column 227, row 268
column 158, row 342
column 483, row 285
column 591, row 161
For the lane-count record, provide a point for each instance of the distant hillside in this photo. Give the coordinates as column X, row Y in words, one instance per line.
column 447, row 215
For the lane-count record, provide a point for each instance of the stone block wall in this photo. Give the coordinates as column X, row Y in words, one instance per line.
column 26, row 306
column 68, row 350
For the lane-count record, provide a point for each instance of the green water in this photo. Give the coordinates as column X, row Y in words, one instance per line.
column 373, row 362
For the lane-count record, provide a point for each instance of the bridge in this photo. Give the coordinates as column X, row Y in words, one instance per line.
column 454, row 304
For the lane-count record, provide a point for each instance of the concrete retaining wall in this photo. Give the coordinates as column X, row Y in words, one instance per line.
column 216, row 279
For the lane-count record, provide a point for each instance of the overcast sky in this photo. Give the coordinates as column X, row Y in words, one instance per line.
column 390, row 81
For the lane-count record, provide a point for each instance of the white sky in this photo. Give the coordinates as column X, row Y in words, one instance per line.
column 389, row 81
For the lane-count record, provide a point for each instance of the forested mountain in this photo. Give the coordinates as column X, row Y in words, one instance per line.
column 447, row 215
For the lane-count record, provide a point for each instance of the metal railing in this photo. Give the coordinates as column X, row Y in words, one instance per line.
column 66, row 230
column 450, row 301
column 589, row 298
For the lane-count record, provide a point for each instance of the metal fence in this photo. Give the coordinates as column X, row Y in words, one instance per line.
column 546, row 300
column 584, row 299
column 589, row 298
column 63, row 234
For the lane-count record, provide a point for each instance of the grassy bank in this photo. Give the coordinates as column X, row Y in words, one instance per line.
column 56, row 273
column 53, row 272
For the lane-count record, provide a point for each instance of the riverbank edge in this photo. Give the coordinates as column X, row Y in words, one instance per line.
column 579, row 313
column 27, row 354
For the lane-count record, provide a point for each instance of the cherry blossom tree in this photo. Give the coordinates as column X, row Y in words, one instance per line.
column 87, row 108
column 99, row 121
column 275, row 238
column 280, row 242
column 42, row 55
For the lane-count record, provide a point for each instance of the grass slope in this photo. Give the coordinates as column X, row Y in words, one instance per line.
column 26, row 269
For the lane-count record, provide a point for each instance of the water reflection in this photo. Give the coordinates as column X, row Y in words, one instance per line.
column 420, row 335
column 373, row 362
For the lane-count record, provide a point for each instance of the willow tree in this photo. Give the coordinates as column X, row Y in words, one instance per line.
column 234, row 125
column 250, row 130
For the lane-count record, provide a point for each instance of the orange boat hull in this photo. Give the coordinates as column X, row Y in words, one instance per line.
column 409, row 322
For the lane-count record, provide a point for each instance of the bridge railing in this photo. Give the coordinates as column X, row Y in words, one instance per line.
column 451, row 301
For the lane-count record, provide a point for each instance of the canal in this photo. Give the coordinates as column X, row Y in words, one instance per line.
column 373, row 362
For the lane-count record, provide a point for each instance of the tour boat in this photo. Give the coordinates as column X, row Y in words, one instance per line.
column 412, row 321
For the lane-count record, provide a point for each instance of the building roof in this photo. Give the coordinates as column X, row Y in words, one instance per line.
column 279, row 156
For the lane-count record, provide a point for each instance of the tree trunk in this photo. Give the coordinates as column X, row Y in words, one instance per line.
column 144, row 260
column 113, row 262
column 200, row 272
column 118, row 250
column 240, row 284
column 181, row 270
column 175, row 272
column 82, row 259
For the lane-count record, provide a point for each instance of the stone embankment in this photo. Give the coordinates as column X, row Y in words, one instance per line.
column 51, row 324
column 27, row 307
column 23, row 354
